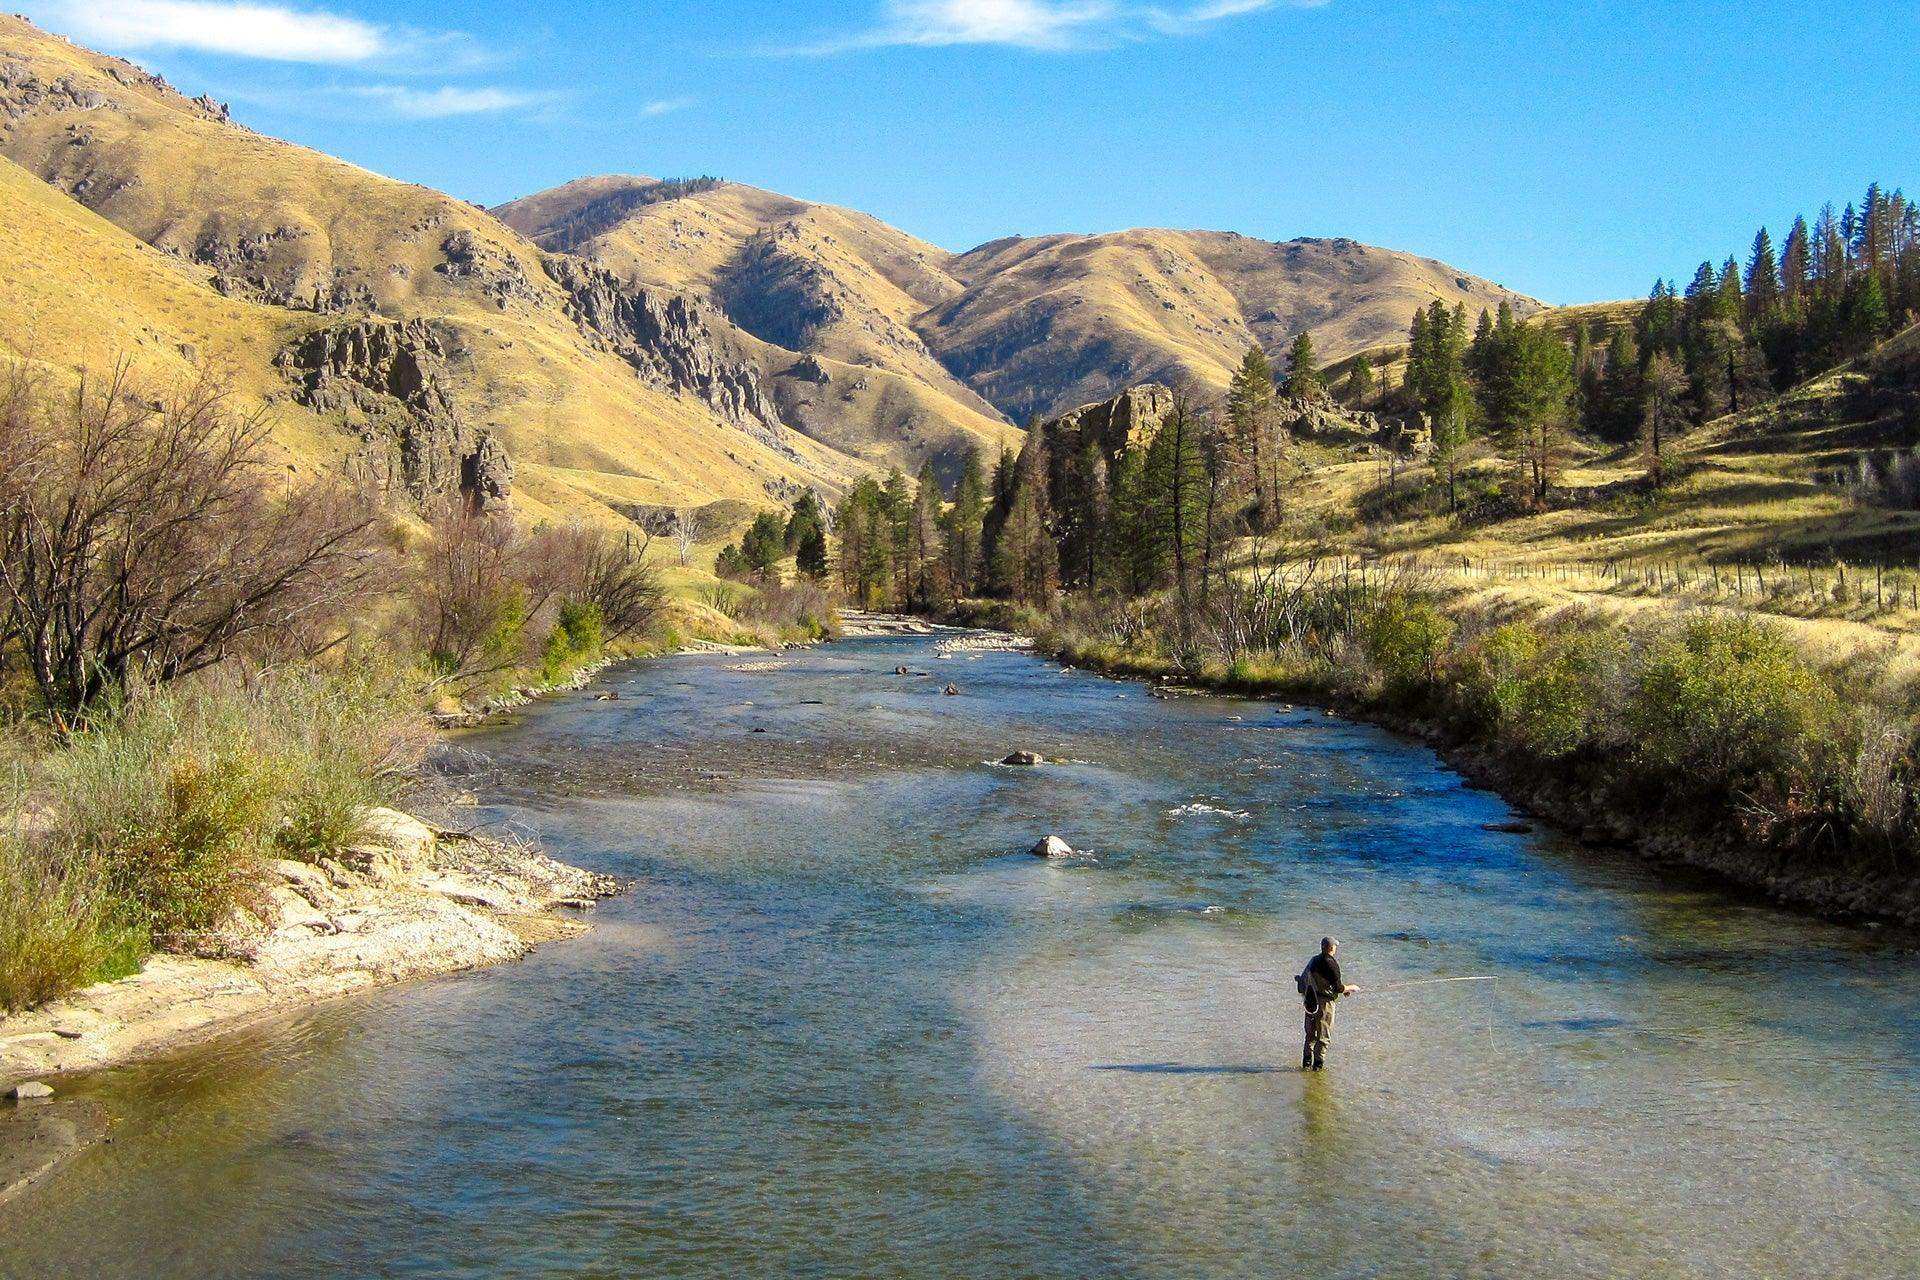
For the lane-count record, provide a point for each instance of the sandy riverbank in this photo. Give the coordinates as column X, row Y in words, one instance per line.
column 409, row 901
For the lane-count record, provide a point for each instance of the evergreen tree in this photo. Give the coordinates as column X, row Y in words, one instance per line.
column 1617, row 413
column 1303, row 374
column 1175, row 492
column 923, row 539
column 1763, row 282
column 810, row 556
column 764, row 544
column 1666, row 390
column 1360, row 383
column 805, row 517
column 1026, row 563
column 1796, row 264
column 1251, row 425
column 1538, row 372
column 961, row 526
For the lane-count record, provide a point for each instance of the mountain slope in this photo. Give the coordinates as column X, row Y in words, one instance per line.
column 610, row 400
column 804, row 280
column 1017, row 328
column 1046, row 324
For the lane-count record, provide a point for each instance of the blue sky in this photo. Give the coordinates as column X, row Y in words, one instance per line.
column 1570, row 150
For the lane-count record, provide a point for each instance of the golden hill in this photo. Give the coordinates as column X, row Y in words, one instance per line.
column 1014, row 329
column 610, row 401
column 804, row 280
column 1050, row 323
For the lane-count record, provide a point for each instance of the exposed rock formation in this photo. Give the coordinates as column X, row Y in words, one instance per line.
column 1320, row 417
column 1129, row 418
column 384, row 381
column 666, row 337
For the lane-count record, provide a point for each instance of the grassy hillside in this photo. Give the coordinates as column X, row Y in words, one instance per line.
column 258, row 219
column 1011, row 330
column 1051, row 323
column 801, row 279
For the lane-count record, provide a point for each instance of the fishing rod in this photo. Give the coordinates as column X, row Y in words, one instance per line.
column 1425, row 982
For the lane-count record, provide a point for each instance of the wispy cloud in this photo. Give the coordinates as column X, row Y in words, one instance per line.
column 269, row 31
column 664, row 107
column 448, row 101
column 1049, row 25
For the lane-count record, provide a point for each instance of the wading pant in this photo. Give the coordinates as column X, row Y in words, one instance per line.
column 1319, row 1032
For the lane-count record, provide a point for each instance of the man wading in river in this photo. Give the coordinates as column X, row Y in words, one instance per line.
column 1320, row 985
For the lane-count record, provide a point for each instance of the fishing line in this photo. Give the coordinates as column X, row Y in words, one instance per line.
column 1425, row 982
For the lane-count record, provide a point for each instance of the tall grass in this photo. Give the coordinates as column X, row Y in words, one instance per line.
column 158, row 817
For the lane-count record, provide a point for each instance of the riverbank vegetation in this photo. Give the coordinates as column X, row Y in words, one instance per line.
column 206, row 666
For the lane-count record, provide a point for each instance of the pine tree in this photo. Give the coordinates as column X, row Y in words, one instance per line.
column 1763, row 282
column 1250, row 427
column 1360, row 383
column 961, row 526
column 1796, row 264
column 1303, row 374
column 1026, row 565
column 1538, row 370
column 923, row 539
column 810, row 556
column 1666, row 389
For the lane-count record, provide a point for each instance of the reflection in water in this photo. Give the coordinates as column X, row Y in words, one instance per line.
column 845, row 1027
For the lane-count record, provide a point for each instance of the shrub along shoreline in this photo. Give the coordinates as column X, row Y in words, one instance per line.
column 1708, row 739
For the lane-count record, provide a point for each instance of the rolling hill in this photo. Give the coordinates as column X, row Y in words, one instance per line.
column 1019, row 327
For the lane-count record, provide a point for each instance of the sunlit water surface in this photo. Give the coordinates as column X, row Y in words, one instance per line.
column 843, row 1026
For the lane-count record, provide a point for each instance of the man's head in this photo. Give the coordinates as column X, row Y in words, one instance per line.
column 1328, row 946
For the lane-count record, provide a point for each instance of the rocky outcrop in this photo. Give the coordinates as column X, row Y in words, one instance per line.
column 384, row 382
column 1131, row 417
column 496, row 274
column 1320, row 417
column 666, row 337
column 23, row 94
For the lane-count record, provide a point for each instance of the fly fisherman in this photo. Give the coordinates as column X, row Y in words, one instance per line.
column 1320, row 985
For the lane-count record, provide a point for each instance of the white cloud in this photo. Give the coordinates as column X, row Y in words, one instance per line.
column 664, row 106
column 249, row 30
column 448, row 101
column 1054, row 25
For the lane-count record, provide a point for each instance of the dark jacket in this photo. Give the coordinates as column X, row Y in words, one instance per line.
column 1323, row 979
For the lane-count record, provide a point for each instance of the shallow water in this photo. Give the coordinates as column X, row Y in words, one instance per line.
column 844, row 1027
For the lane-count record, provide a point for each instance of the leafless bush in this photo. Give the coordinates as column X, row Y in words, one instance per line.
column 143, row 539
column 470, row 606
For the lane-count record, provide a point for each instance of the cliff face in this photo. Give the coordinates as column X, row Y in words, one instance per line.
column 668, row 338
column 1131, row 417
column 383, row 382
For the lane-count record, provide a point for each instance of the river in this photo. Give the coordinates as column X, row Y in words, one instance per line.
column 843, row 1025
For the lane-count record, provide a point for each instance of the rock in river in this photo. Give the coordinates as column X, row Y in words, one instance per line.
column 1025, row 758
column 29, row 1091
column 1053, row 847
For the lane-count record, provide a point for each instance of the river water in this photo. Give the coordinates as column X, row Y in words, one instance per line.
column 844, row 1027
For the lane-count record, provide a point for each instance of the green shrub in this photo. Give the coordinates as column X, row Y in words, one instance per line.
column 1492, row 671
column 578, row 637
column 1405, row 639
column 1563, row 699
column 1728, row 704
column 58, row 930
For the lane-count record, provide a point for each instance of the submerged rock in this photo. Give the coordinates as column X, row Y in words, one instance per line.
column 1053, row 847
column 952, row 691
column 1509, row 828
column 1025, row 758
